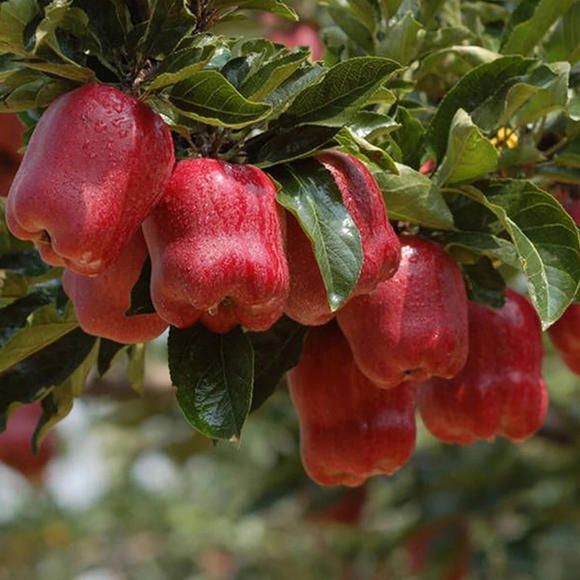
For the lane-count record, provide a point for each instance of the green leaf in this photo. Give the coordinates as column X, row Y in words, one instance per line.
column 109, row 23
column 356, row 22
column 214, row 375
column 42, row 327
column 485, row 284
column 136, row 367
column 526, row 99
column 372, row 125
column 469, row 154
column 170, row 22
column 546, row 240
column 343, row 90
column 28, row 89
column 62, row 32
column 412, row 197
column 270, row 76
column 26, row 263
column 208, row 97
column 14, row 17
column 180, row 65
column 35, row 376
column 307, row 75
column 281, row 146
column 454, row 60
column 71, row 72
column 482, row 244
column 402, row 40
column 530, row 22
column 410, row 137
column 141, row 302
column 442, row 38
column 309, row 192
column 471, row 91
column 569, row 156
column 276, row 352
column 274, row 6
column 108, row 350
column 59, row 402
column 15, row 316
column 564, row 42
column 363, row 149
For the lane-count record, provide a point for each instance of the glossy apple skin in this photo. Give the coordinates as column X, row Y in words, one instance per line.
column 216, row 245
column 94, row 168
column 15, row 443
column 101, row 301
column 413, row 326
column 500, row 391
column 307, row 302
column 350, row 430
column 565, row 333
column 302, row 34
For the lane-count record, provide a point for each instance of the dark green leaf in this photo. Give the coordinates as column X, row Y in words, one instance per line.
column 402, row 40
column 410, row 137
column 469, row 154
column 213, row 374
column 530, row 22
column 307, row 75
column 28, row 89
column 108, row 22
column 170, row 22
column 363, row 149
column 276, row 352
column 108, row 350
column 14, row 316
column 180, row 65
column 27, row 263
column 208, row 97
column 141, row 302
column 485, row 284
column 281, row 146
column 32, row 378
column 43, row 325
column 310, row 193
column 275, row 6
column 357, row 23
column 564, row 41
column 343, row 90
column 545, row 237
column 14, row 17
column 59, row 401
column 483, row 244
column 413, row 197
column 270, row 76
column 471, row 91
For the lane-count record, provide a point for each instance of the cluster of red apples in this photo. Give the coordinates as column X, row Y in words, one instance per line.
column 98, row 190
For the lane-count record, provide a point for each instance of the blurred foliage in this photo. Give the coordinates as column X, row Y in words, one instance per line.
column 162, row 503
